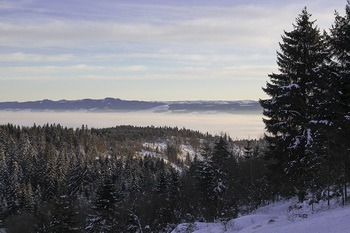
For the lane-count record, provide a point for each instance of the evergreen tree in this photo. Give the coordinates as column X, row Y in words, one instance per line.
column 290, row 109
column 133, row 223
column 76, row 178
column 339, row 42
column 105, row 217
column 64, row 214
column 205, row 186
column 340, row 49
column 14, row 189
column 190, row 191
column 223, row 165
column 166, row 200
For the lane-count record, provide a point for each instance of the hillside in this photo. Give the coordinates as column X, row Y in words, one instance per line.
column 284, row 216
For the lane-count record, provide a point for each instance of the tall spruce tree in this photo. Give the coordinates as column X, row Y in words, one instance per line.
column 223, row 164
column 290, row 109
column 339, row 43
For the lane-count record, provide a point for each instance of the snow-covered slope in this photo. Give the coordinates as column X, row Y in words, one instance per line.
column 281, row 217
column 158, row 149
column 185, row 150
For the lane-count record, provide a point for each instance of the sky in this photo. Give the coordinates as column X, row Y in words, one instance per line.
column 152, row 50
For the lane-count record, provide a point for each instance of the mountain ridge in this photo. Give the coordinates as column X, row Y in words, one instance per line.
column 116, row 104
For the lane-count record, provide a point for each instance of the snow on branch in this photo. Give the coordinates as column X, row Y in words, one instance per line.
column 325, row 122
column 290, row 86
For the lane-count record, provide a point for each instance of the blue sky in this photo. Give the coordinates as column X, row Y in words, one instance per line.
column 145, row 50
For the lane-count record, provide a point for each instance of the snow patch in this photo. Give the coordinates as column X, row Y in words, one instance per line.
column 153, row 154
column 325, row 122
column 290, row 86
column 161, row 146
column 188, row 150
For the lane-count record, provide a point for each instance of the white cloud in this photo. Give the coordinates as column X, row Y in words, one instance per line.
column 236, row 26
column 64, row 72
column 252, row 27
column 82, row 71
column 242, row 25
column 26, row 57
column 189, row 57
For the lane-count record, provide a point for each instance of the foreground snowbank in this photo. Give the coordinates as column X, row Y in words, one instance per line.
column 282, row 217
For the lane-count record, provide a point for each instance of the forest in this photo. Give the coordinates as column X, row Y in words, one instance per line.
column 149, row 179
column 57, row 179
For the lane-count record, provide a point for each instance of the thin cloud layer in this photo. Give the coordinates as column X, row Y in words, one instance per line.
column 158, row 40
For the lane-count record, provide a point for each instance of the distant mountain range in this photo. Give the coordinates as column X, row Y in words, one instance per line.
column 112, row 104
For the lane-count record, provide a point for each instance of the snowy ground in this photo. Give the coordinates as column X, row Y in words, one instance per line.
column 281, row 217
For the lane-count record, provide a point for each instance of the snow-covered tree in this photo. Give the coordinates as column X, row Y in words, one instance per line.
column 291, row 107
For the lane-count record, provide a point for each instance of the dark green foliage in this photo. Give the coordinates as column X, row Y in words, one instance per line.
column 216, row 180
column 339, row 44
column 82, row 180
column 290, row 109
column 105, row 217
column 307, row 116
column 223, row 164
column 64, row 214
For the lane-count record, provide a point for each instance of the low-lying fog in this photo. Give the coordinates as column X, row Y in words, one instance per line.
column 238, row 126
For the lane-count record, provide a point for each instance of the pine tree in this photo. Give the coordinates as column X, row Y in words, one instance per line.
column 223, row 166
column 165, row 193
column 76, row 176
column 64, row 213
column 205, row 184
column 105, row 210
column 14, row 189
column 290, row 109
column 339, row 42
column 133, row 223
column 190, row 195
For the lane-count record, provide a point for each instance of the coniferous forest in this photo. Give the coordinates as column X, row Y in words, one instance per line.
column 136, row 179
column 57, row 179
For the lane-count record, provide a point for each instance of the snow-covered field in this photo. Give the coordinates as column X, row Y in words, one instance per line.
column 281, row 217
